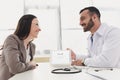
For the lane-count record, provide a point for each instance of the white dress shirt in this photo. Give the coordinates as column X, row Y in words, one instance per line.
column 105, row 49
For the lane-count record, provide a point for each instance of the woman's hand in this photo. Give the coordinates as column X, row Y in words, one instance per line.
column 33, row 64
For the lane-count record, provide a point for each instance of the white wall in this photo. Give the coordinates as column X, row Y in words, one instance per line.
column 47, row 12
column 10, row 12
column 72, row 33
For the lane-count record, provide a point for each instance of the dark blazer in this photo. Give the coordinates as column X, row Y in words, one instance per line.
column 13, row 58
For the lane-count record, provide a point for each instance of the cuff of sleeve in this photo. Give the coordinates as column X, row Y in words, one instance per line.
column 83, row 62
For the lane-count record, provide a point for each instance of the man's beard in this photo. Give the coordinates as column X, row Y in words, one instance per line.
column 89, row 26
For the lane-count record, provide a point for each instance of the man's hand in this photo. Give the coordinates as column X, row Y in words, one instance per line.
column 77, row 62
column 73, row 56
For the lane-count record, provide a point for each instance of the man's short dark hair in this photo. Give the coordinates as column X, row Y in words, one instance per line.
column 92, row 10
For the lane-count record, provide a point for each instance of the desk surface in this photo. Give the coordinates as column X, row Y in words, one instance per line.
column 43, row 72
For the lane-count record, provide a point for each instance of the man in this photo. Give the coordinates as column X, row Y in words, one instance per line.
column 103, row 42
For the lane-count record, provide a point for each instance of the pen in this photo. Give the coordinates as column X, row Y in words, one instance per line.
column 96, row 70
column 36, row 64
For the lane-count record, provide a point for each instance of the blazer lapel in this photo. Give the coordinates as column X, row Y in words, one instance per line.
column 21, row 48
column 23, row 51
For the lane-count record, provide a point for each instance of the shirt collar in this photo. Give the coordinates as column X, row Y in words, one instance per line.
column 101, row 29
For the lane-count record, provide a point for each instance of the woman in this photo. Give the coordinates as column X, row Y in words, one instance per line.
column 18, row 49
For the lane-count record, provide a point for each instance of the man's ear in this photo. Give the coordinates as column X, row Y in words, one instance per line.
column 94, row 17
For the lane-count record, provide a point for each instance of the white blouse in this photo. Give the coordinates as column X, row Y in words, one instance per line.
column 28, row 55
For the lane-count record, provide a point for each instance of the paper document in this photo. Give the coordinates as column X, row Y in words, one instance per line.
column 60, row 57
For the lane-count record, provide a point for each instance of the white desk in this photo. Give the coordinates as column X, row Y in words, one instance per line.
column 43, row 72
